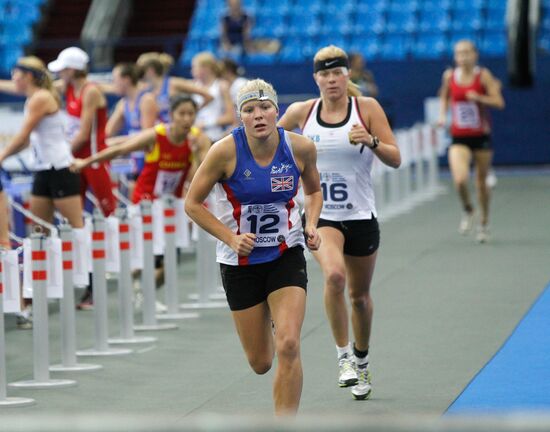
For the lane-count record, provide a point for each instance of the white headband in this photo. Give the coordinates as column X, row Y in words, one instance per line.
column 260, row 95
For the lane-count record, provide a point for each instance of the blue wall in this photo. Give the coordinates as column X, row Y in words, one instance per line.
column 521, row 131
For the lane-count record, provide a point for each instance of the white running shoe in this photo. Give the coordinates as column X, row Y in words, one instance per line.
column 466, row 223
column 160, row 307
column 363, row 389
column 491, row 179
column 482, row 235
column 347, row 375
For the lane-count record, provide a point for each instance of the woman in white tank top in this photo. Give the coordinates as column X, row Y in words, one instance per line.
column 215, row 117
column 349, row 131
column 54, row 185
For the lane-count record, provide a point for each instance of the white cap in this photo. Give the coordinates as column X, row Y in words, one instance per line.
column 70, row 58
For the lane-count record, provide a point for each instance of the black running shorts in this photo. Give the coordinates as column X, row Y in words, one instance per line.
column 247, row 286
column 361, row 237
column 56, row 184
column 474, row 143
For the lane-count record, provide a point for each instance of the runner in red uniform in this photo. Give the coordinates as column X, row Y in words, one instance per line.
column 471, row 90
column 86, row 110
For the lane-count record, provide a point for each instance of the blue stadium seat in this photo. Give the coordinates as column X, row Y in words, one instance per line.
column 367, row 45
column 493, row 44
column 300, row 24
column 467, row 5
column 291, row 53
column 306, row 7
column 400, row 5
column 269, row 26
column 495, row 19
column 401, row 22
column 498, row 4
column 430, row 46
column 260, row 59
column 369, row 21
column 336, row 23
column 378, row 5
column 433, row 5
column 466, row 20
column 395, row 47
column 434, row 20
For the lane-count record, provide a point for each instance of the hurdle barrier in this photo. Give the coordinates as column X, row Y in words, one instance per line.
column 148, row 275
column 125, row 291
column 69, row 361
column 101, row 343
column 6, row 401
column 170, row 264
column 41, row 345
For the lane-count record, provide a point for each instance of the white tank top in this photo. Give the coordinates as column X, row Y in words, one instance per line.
column 49, row 143
column 208, row 115
column 345, row 172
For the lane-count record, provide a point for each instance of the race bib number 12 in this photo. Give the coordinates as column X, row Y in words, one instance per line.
column 268, row 221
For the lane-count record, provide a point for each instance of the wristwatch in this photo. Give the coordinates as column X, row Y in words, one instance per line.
column 374, row 142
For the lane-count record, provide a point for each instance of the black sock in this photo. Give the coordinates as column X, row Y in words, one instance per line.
column 360, row 354
column 468, row 208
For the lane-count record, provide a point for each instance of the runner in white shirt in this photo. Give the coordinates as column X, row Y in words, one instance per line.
column 349, row 131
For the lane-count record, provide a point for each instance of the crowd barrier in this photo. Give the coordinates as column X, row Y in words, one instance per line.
column 56, row 263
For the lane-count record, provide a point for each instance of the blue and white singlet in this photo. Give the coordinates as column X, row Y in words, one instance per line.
column 260, row 200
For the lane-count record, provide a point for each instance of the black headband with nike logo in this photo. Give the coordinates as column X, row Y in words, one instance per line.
column 330, row 63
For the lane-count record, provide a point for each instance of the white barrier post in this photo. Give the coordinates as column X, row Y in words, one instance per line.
column 101, row 344
column 6, row 401
column 206, row 278
column 148, row 274
column 170, row 264
column 41, row 347
column 125, row 292
column 67, row 312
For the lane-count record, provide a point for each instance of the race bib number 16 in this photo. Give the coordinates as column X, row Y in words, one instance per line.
column 268, row 221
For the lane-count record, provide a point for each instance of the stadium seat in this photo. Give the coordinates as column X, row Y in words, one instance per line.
column 430, row 46
column 434, row 5
column 401, row 6
column 370, row 21
column 466, row 19
column 493, row 44
column 291, row 53
column 495, row 19
column 260, row 59
column 367, row 45
column 401, row 22
column 434, row 20
column 269, row 26
column 395, row 47
column 467, row 5
column 377, row 5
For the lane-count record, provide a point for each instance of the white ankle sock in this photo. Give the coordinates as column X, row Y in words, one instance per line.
column 343, row 350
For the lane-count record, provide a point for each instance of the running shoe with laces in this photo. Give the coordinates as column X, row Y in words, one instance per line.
column 363, row 389
column 482, row 235
column 347, row 374
column 466, row 223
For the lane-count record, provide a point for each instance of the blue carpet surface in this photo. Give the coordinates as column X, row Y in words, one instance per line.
column 517, row 378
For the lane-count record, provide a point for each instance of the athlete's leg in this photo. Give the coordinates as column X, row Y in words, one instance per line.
column 360, row 271
column 4, row 217
column 254, row 329
column 482, row 161
column 287, row 306
column 460, row 157
column 99, row 182
column 330, row 257
column 42, row 207
column 71, row 209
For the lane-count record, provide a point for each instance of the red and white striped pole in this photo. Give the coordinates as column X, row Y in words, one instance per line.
column 67, row 312
column 125, row 291
column 41, row 346
column 6, row 401
column 148, row 274
column 171, row 264
column 101, row 332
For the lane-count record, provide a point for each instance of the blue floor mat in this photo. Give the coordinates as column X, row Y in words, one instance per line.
column 517, row 378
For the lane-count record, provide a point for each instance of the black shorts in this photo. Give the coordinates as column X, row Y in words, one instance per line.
column 474, row 143
column 361, row 237
column 247, row 286
column 56, row 184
